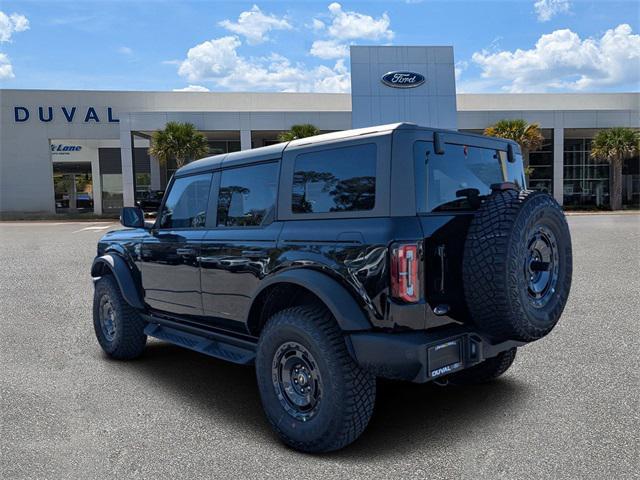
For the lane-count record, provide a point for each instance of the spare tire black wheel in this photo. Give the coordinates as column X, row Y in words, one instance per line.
column 517, row 265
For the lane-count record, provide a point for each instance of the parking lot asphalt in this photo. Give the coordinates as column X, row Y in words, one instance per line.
column 568, row 408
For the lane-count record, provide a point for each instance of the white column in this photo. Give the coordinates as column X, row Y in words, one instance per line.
column 96, row 182
column 558, row 164
column 154, row 165
column 245, row 139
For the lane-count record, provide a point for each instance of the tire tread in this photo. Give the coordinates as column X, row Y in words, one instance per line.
column 361, row 385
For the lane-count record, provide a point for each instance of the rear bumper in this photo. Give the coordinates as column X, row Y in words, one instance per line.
column 412, row 355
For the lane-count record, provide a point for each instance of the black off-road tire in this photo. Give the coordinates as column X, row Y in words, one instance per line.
column 506, row 236
column 126, row 339
column 484, row 372
column 346, row 392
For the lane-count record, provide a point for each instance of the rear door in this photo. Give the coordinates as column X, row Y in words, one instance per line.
column 170, row 255
column 241, row 248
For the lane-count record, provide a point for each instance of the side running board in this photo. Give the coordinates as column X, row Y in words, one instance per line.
column 218, row 347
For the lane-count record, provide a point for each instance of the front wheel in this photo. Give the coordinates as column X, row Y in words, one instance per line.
column 118, row 326
column 315, row 396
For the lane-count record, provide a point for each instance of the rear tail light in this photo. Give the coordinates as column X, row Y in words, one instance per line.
column 405, row 281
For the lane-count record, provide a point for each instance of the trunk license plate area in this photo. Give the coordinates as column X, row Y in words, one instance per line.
column 445, row 358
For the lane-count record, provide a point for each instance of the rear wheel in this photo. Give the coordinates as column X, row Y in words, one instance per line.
column 486, row 371
column 118, row 327
column 314, row 395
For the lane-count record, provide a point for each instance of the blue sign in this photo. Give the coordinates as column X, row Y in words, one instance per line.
column 47, row 114
column 403, row 79
column 61, row 149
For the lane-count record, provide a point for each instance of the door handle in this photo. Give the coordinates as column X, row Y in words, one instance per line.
column 185, row 251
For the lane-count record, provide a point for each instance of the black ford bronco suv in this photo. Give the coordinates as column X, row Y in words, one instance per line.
column 394, row 251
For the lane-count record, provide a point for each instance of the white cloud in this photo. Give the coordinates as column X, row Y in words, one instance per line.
column 210, row 59
column 331, row 80
column 6, row 70
column 218, row 61
column 460, row 67
column 328, row 49
column 254, row 25
column 125, row 51
column 561, row 60
column 10, row 24
column 192, row 88
column 547, row 9
column 346, row 25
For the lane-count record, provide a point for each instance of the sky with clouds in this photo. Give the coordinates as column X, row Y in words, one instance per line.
column 303, row 46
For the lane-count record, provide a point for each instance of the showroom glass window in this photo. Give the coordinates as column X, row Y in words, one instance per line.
column 335, row 180
column 142, row 173
column 541, row 165
column 186, row 204
column 247, row 195
column 449, row 181
column 586, row 180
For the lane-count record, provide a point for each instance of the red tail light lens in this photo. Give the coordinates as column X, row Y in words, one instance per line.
column 405, row 281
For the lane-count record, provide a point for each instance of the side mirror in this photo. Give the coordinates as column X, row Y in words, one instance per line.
column 132, row 217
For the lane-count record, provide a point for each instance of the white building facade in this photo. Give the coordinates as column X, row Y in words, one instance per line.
column 86, row 151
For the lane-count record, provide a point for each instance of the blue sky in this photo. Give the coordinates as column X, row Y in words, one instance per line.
column 500, row 46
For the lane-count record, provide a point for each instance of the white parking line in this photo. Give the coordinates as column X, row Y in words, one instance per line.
column 37, row 224
column 94, row 228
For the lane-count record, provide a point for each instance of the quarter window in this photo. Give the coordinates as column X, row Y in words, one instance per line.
column 247, row 195
column 186, row 205
column 336, row 180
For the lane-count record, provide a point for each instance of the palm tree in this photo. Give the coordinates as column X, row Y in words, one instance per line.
column 615, row 145
column 180, row 141
column 299, row 131
column 527, row 135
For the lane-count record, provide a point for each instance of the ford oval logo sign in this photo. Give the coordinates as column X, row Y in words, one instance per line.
column 403, row 79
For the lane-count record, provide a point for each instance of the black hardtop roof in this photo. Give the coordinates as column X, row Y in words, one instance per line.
column 275, row 151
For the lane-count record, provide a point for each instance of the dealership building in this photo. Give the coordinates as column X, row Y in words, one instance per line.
column 79, row 151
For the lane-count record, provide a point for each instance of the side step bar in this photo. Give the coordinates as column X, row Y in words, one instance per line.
column 212, row 344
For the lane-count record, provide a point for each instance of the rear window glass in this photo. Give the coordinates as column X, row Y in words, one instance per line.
column 455, row 180
column 335, row 180
column 247, row 195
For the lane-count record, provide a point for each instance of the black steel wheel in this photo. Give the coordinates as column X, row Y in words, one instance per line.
column 118, row 327
column 107, row 316
column 541, row 266
column 315, row 396
column 297, row 381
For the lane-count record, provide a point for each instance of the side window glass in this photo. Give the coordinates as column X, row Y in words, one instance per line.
column 335, row 180
column 186, row 205
column 248, row 195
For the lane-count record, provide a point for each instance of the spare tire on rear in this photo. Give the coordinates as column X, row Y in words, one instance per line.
column 517, row 265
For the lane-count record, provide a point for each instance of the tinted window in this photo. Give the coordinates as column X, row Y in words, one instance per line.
column 337, row 180
column 186, row 205
column 247, row 195
column 455, row 180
